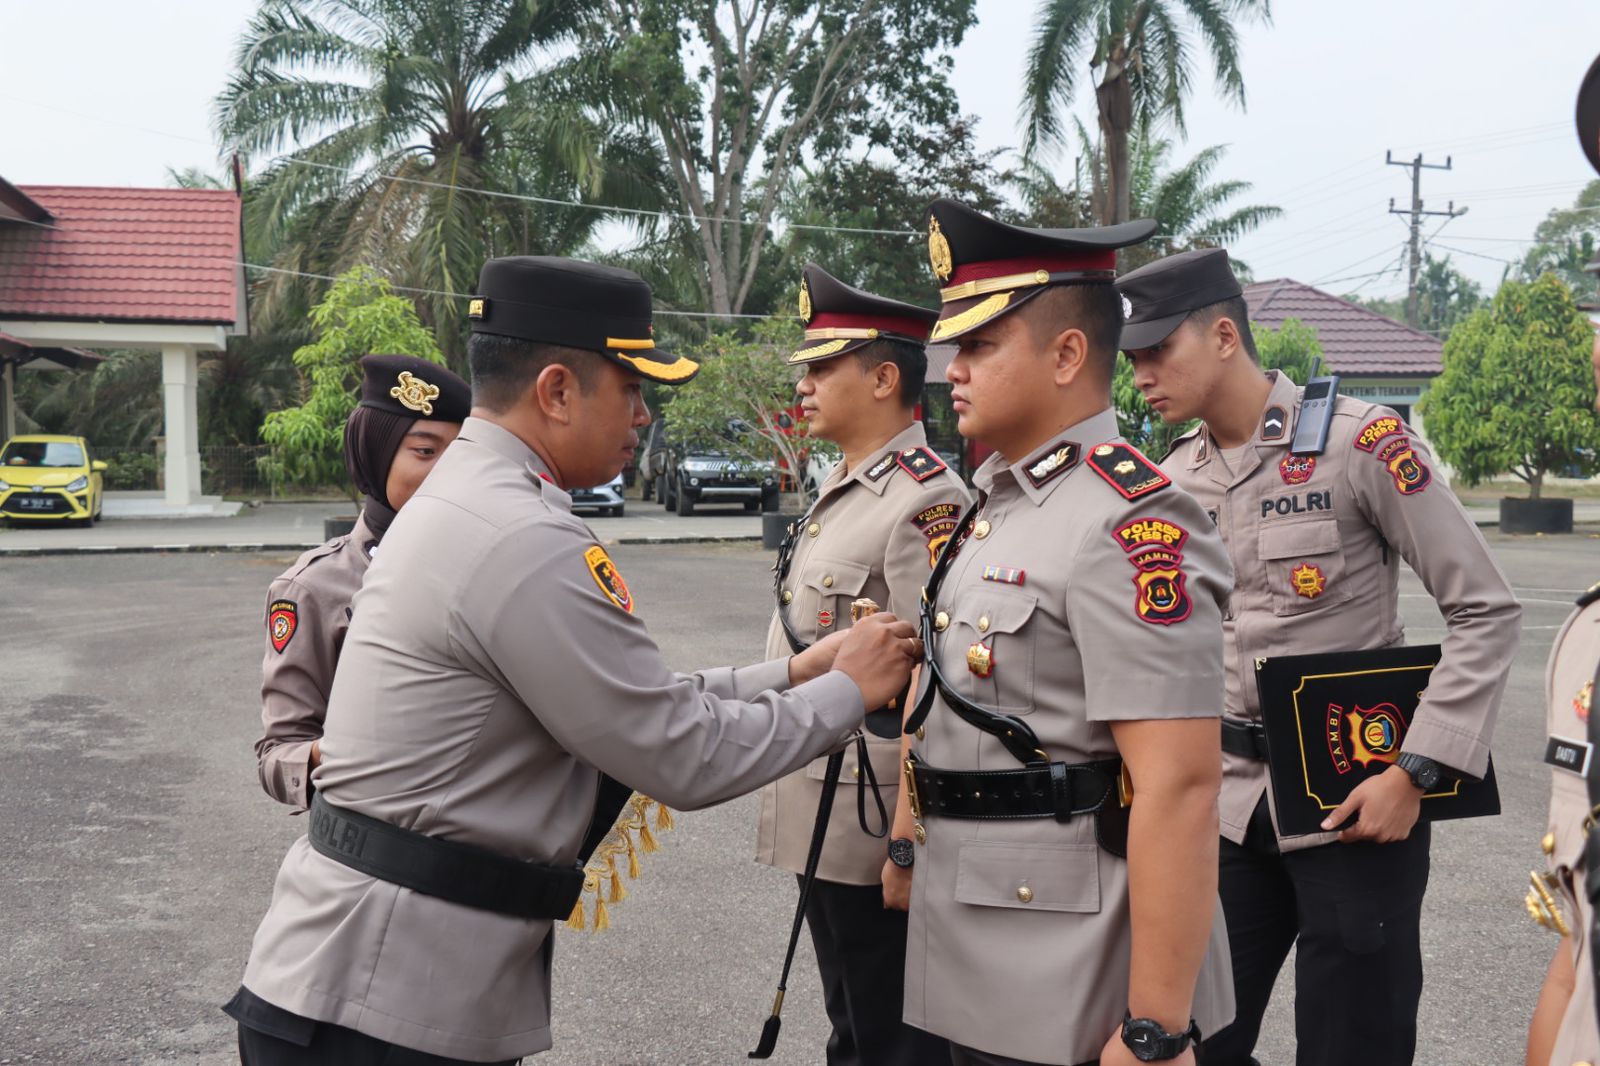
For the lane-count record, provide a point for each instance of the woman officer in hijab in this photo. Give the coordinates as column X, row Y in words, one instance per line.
column 410, row 411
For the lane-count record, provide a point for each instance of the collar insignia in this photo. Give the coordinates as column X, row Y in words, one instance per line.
column 1063, row 457
column 1275, row 423
column 882, row 467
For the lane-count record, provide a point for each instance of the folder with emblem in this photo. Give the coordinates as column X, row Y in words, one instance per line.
column 1337, row 718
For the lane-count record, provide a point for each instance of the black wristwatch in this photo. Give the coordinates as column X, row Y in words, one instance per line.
column 1151, row 1043
column 902, row 853
column 1425, row 773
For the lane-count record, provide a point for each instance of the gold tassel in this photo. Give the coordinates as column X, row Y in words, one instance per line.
column 663, row 818
column 618, row 893
column 646, row 840
column 575, row 921
column 601, row 919
column 633, row 857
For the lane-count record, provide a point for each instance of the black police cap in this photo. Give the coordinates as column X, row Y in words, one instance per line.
column 413, row 388
column 841, row 318
column 1158, row 296
column 1589, row 115
column 990, row 268
column 575, row 304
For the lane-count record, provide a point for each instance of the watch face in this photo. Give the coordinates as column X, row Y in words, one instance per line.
column 1427, row 776
column 901, row 852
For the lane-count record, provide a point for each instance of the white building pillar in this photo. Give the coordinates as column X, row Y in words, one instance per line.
column 179, row 374
column 8, row 401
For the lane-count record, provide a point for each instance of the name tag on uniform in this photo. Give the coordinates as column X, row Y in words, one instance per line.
column 1570, row 755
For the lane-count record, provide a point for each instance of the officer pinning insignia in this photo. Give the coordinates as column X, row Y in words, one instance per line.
column 1063, row 456
column 1005, row 575
column 980, row 659
column 1127, row 471
column 414, row 393
column 1308, row 580
column 1297, row 469
column 882, row 467
column 920, row 463
column 604, row 572
column 1411, row 475
column 282, row 619
column 841, row 318
column 1375, row 431
column 1274, row 424
column 1155, row 548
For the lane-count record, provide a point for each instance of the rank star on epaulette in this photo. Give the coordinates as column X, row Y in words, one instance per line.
column 1127, row 471
column 882, row 467
column 920, row 463
column 1061, row 458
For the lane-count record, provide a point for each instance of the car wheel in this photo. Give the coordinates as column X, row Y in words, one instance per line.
column 751, row 506
column 769, row 502
column 619, row 510
column 669, row 495
column 645, row 489
column 685, row 505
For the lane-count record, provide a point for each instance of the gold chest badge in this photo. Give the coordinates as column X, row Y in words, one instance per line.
column 980, row 659
column 1308, row 580
column 414, row 393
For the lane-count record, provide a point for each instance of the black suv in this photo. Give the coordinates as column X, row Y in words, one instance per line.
column 700, row 474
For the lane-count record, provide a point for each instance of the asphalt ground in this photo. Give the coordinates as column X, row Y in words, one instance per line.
column 138, row 850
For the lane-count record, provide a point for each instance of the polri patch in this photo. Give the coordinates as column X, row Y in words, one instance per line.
column 1411, row 475
column 1375, row 431
column 1155, row 548
column 604, row 572
column 1063, row 456
column 1308, row 580
column 937, row 513
column 1006, row 575
column 283, row 618
column 920, row 463
column 882, row 467
column 1275, row 423
column 1297, row 469
column 1127, row 471
column 938, row 535
column 1570, row 755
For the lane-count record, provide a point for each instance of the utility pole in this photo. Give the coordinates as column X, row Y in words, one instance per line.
column 1417, row 214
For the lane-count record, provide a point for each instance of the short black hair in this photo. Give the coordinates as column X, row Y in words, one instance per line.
column 1233, row 308
column 911, row 360
column 1094, row 308
column 504, row 368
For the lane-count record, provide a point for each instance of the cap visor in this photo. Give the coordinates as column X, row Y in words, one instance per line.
column 1148, row 334
column 656, row 365
column 813, row 353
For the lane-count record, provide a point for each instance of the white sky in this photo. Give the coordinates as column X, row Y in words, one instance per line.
column 111, row 93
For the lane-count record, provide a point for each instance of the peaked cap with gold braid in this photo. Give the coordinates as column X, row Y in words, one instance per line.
column 990, row 268
column 841, row 318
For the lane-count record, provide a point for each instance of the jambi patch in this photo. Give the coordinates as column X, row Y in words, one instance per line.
column 1155, row 548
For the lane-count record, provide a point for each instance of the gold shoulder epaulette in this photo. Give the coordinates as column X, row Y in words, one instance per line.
column 601, row 877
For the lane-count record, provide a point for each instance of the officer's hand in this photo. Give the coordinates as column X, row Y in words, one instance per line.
column 877, row 654
column 1116, row 1053
column 316, row 754
column 815, row 660
column 896, row 887
column 1387, row 807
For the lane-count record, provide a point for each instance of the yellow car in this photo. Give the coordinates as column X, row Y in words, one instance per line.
column 44, row 477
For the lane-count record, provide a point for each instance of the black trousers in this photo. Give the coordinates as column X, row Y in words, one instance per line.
column 1355, row 911
column 271, row 1036
column 961, row 1055
column 861, row 952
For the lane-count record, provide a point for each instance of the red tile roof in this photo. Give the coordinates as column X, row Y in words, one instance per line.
column 144, row 255
column 1356, row 342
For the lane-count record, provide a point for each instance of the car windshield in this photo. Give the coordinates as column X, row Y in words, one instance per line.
column 41, row 453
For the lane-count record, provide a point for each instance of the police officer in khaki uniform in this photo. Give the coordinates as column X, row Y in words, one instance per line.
column 879, row 521
column 493, row 666
column 410, row 411
column 1564, row 1030
column 1062, row 912
column 1316, row 542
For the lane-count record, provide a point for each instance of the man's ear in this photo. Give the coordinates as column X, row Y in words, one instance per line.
column 555, row 393
column 1070, row 351
column 1225, row 335
column 885, row 380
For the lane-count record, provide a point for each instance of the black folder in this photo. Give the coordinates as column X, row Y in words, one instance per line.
column 1337, row 718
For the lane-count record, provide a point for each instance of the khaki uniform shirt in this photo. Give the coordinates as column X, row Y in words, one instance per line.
column 493, row 666
column 1078, row 637
column 1316, row 544
column 308, row 611
column 875, row 532
column 1569, row 683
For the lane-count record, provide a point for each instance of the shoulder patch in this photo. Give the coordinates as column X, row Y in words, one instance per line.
column 1376, row 430
column 283, row 618
column 1063, row 456
column 604, row 572
column 882, row 467
column 1590, row 594
column 1155, row 548
column 1275, row 423
column 920, row 463
column 937, row 513
column 1411, row 475
column 1127, row 471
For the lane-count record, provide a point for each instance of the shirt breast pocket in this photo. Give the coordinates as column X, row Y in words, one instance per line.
column 991, row 646
column 1304, row 565
column 833, row 584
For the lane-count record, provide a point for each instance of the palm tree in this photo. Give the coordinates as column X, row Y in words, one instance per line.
column 1141, row 49
column 395, row 119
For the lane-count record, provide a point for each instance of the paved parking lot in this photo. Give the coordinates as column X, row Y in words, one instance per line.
column 139, row 850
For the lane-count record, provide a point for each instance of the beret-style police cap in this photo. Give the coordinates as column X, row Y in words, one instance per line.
column 841, row 318
column 1158, row 296
column 990, row 268
column 575, row 304
column 413, row 388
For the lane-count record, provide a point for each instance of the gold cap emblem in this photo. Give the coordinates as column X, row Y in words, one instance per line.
column 805, row 300
column 414, row 393
column 939, row 251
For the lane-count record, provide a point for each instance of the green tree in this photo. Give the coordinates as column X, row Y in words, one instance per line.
column 359, row 316
column 1445, row 297
column 1566, row 242
column 735, row 94
column 1517, row 392
column 1141, row 51
column 1292, row 348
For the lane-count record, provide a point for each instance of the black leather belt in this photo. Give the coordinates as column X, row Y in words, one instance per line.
column 1057, row 790
column 1247, row 739
column 460, row 873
